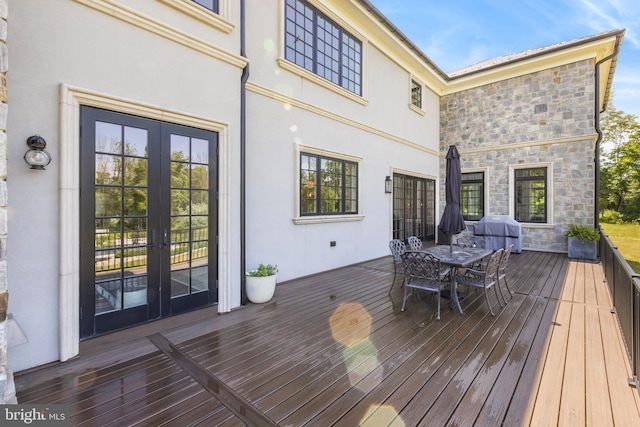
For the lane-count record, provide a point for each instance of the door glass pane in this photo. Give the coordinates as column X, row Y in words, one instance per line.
column 108, row 138
column 121, row 195
column 189, row 210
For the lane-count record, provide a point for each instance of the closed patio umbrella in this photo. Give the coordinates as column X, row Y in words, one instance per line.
column 452, row 222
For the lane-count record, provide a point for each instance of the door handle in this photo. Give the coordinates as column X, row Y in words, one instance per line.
column 152, row 245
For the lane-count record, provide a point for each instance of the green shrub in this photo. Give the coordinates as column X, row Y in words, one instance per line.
column 583, row 232
column 263, row 271
column 609, row 216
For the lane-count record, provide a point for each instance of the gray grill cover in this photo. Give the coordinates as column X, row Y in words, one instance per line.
column 499, row 231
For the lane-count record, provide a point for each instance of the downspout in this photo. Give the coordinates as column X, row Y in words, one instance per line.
column 243, row 142
column 596, row 209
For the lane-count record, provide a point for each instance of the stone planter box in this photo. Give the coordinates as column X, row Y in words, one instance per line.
column 582, row 249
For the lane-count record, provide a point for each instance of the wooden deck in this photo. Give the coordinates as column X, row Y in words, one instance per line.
column 335, row 349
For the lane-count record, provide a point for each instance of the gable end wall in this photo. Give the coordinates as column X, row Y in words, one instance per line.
column 540, row 118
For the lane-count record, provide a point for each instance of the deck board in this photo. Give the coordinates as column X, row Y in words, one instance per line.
column 335, row 349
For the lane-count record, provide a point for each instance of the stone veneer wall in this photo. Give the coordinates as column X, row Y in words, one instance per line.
column 543, row 117
column 4, row 294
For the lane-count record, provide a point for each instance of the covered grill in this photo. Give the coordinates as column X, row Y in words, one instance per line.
column 499, row 231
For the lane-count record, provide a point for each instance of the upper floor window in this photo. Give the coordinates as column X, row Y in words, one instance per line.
column 328, row 186
column 416, row 94
column 531, row 195
column 212, row 5
column 319, row 45
column 472, row 196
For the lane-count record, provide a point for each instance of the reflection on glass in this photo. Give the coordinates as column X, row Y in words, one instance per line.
column 135, row 142
column 107, row 233
column 200, row 278
column 179, row 175
column 108, row 201
column 180, row 148
column 199, row 176
column 108, row 138
column 108, row 295
column 135, row 231
column 200, row 229
column 108, row 169
column 135, row 172
column 135, row 289
column 135, row 201
column 179, row 282
column 179, row 202
column 199, row 202
column 200, row 151
column 180, row 229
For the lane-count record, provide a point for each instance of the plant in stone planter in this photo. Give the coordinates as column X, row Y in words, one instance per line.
column 261, row 283
column 583, row 241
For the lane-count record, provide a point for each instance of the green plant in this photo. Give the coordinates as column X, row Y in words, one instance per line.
column 263, row 271
column 583, row 232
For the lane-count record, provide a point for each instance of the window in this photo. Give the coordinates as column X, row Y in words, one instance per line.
column 212, row 5
column 531, row 195
column 328, row 186
column 472, row 196
column 416, row 94
column 414, row 207
column 317, row 44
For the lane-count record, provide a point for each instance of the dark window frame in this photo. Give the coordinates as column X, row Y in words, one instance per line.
column 416, row 94
column 318, row 44
column 530, row 184
column 470, row 194
column 314, row 183
column 212, row 5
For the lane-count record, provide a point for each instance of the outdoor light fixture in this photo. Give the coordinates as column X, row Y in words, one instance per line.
column 387, row 185
column 37, row 157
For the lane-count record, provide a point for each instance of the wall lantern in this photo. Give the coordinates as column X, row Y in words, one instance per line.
column 37, row 157
column 387, row 185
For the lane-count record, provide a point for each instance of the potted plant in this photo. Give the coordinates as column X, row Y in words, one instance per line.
column 583, row 241
column 261, row 283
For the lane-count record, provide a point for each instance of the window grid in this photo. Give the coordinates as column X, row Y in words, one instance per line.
column 472, row 196
column 317, row 44
column 416, row 94
column 328, row 186
column 531, row 195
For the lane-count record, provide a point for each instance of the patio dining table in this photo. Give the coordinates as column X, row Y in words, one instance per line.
column 457, row 257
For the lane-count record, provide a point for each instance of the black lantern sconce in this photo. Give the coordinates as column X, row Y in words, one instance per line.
column 37, row 157
column 387, row 185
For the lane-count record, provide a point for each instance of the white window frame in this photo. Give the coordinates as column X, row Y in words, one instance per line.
column 549, row 201
column 316, row 219
column 220, row 20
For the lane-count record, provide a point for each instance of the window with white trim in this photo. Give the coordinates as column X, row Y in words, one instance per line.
column 472, row 196
column 531, row 195
column 416, row 94
column 319, row 45
column 328, row 186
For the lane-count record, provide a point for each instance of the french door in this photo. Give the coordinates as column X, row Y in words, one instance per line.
column 148, row 220
column 414, row 204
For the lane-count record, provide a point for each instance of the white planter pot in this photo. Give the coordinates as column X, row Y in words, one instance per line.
column 261, row 289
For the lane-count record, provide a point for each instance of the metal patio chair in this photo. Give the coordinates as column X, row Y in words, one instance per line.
column 423, row 272
column 415, row 243
column 470, row 242
column 485, row 278
column 502, row 270
column 397, row 248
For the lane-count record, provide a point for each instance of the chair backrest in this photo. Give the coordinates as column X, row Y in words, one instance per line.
column 492, row 265
column 505, row 258
column 415, row 243
column 397, row 248
column 421, row 265
column 470, row 242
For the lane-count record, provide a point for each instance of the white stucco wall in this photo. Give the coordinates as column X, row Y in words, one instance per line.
column 64, row 42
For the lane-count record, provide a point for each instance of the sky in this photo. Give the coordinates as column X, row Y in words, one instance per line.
column 459, row 33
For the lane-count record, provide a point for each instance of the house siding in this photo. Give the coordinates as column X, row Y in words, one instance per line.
column 6, row 392
column 541, row 118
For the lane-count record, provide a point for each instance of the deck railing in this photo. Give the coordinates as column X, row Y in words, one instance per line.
column 624, row 286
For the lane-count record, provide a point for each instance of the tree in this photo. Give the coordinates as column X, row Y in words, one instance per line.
column 620, row 164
